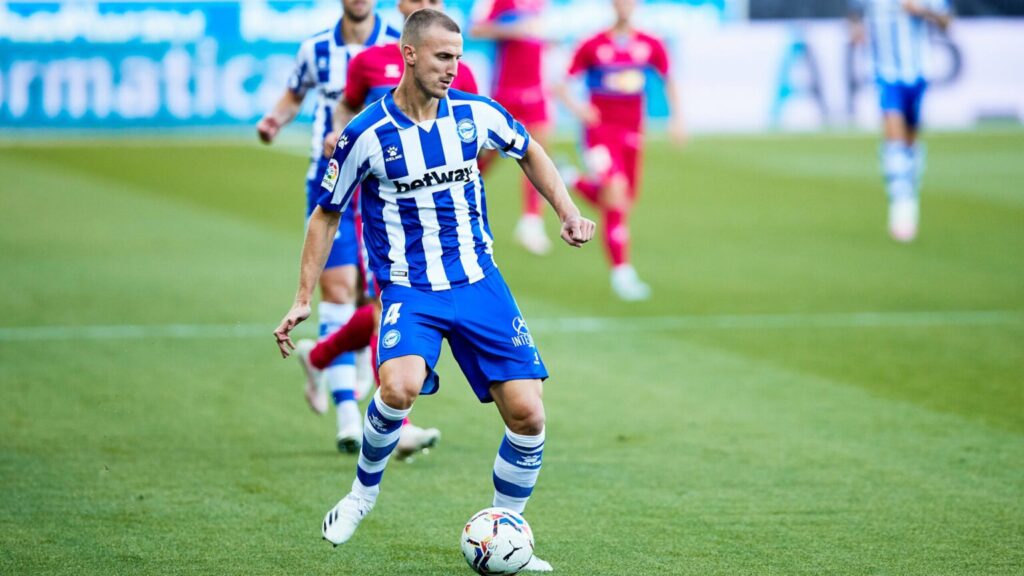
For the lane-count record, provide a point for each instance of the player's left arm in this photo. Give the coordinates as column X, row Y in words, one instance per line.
column 937, row 14
column 538, row 167
column 660, row 63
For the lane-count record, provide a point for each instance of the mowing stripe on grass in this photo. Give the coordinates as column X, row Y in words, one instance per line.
column 569, row 324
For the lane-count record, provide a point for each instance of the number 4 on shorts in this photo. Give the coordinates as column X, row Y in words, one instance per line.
column 392, row 316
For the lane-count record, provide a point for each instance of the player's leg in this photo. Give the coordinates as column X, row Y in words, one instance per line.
column 409, row 348
column 897, row 164
column 338, row 285
column 915, row 148
column 610, row 159
column 496, row 352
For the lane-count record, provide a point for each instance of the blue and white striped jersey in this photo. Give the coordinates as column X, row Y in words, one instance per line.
column 422, row 198
column 899, row 41
column 322, row 64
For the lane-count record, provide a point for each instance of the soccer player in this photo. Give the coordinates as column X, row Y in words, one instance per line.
column 427, row 235
column 518, row 85
column 320, row 66
column 615, row 64
column 898, row 31
column 371, row 74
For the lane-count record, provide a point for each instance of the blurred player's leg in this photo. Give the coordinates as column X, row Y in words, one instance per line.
column 529, row 232
column 338, row 285
column 611, row 161
column 898, row 162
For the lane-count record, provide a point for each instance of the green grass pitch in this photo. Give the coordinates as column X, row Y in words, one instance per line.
column 801, row 396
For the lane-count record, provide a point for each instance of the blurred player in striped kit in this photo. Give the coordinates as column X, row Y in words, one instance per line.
column 898, row 32
column 320, row 66
column 414, row 153
column 614, row 65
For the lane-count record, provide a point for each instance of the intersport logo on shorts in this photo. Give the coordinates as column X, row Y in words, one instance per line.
column 434, row 178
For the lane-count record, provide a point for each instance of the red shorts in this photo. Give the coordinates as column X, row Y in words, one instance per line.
column 610, row 151
column 527, row 105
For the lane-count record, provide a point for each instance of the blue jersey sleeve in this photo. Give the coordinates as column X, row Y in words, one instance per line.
column 504, row 133
column 303, row 76
column 347, row 167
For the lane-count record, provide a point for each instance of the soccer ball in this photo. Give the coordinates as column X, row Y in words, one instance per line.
column 497, row 541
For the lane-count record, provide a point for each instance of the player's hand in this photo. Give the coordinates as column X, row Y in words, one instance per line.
column 590, row 116
column 577, row 230
column 330, row 143
column 911, row 7
column 677, row 133
column 267, row 128
column 293, row 318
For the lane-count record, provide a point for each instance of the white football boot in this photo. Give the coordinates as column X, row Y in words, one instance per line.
column 316, row 387
column 903, row 219
column 342, row 520
column 627, row 285
column 414, row 439
column 537, row 565
column 530, row 234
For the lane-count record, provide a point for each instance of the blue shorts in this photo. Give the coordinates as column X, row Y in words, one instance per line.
column 483, row 325
column 345, row 250
column 902, row 99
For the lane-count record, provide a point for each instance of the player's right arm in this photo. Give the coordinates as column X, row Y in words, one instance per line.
column 351, row 102
column 288, row 105
column 320, row 233
column 489, row 23
column 286, row 109
column 347, row 168
column 938, row 14
column 584, row 111
column 855, row 20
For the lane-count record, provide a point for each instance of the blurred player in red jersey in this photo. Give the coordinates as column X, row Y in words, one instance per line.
column 371, row 74
column 518, row 86
column 614, row 64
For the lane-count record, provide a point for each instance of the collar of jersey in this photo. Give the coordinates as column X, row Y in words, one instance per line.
column 400, row 119
column 370, row 41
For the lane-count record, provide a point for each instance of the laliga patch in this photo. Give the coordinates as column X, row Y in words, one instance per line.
column 331, row 176
column 467, row 130
column 391, row 338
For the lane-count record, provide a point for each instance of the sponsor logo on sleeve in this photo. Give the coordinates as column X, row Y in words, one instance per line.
column 331, row 175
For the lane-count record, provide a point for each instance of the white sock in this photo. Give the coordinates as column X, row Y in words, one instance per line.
column 898, row 168
column 341, row 374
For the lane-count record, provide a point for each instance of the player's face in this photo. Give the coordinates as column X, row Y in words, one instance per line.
column 437, row 61
column 357, row 10
column 624, row 9
column 407, row 7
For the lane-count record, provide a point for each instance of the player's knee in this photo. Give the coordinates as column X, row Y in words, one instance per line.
column 527, row 418
column 615, row 194
column 397, row 393
column 338, row 287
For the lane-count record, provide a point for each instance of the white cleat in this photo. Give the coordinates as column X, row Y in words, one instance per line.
column 530, row 234
column 316, row 388
column 537, row 565
column 342, row 520
column 349, row 442
column 903, row 219
column 414, row 439
column 628, row 286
